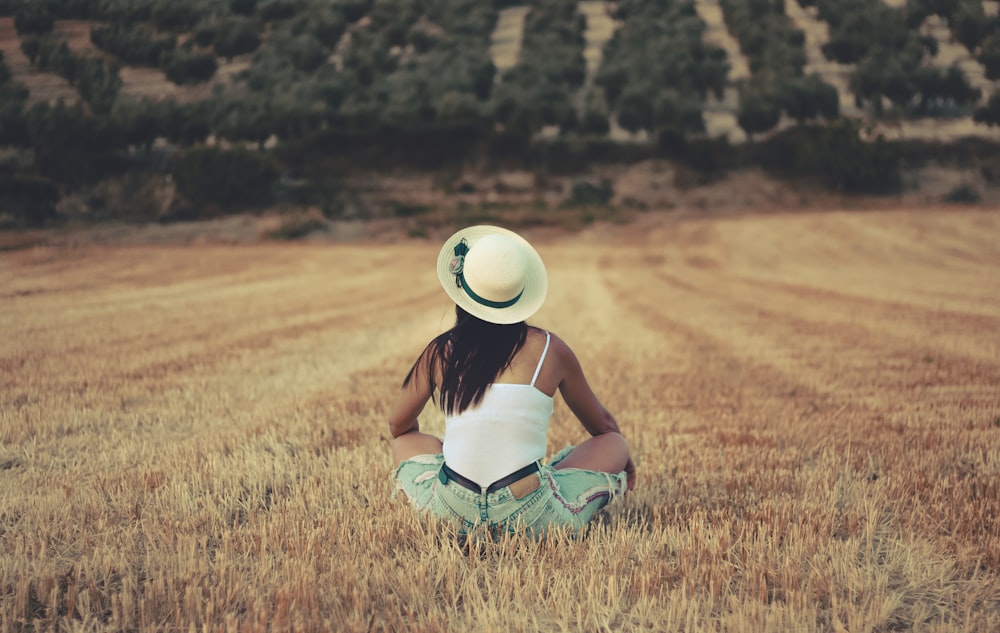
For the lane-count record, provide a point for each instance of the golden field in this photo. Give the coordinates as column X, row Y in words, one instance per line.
column 194, row 438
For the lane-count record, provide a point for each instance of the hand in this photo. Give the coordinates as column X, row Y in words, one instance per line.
column 630, row 473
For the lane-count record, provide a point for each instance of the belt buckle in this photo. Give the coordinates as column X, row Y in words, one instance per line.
column 525, row 486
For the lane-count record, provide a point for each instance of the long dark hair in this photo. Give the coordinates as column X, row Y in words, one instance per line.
column 472, row 354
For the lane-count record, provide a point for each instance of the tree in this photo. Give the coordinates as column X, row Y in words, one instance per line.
column 175, row 15
column 70, row 144
column 353, row 10
column 674, row 112
column 31, row 46
column 136, row 46
column 305, row 52
column 29, row 197
column 759, row 111
column 243, row 7
column 12, row 126
column 245, row 120
column 98, row 82
column 458, row 108
column 989, row 114
column 862, row 30
column 805, row 98
column 326, row 26
column 596, row 118
column 236, row 36
column 183, row 67
column 5, row 74
column 272, row 10
column 139, row 122
column 969, row 24
column 33, row 18
column 945, row 89
column 989, row 56
column 185, row 124
column 636, row 110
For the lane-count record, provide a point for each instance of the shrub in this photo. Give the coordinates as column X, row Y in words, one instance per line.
column 963, row 194
column 837, row 156
column 586, row 193
column 5, row 73
column 70, row 144
column 223, row 178
column 30, row 198
column 294, row 226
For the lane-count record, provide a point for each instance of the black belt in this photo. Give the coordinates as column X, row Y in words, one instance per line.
column 447, row 473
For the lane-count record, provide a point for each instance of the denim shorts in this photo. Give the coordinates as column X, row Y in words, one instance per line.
column 567, row 497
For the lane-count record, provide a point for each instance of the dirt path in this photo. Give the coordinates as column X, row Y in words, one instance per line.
column 720, row 114
column 505, row 42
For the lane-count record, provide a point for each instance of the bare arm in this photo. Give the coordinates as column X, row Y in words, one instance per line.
column 583, row 402
column 579, row 396
column 411, row 399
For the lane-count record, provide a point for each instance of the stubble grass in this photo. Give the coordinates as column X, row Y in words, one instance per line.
column 195, row 438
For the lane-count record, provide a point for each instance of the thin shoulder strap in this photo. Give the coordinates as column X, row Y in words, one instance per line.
column 548, row 337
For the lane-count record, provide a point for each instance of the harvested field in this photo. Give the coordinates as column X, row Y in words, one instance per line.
column 194, row 437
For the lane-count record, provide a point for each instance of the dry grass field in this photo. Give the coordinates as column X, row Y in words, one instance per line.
column 194, row 438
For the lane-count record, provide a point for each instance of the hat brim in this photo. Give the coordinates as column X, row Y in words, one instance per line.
column 536, row 283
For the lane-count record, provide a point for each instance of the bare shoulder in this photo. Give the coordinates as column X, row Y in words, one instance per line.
column 558, row 348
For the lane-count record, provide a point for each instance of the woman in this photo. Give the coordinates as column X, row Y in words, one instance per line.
column 496, row 378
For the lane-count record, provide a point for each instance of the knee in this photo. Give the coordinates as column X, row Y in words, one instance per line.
column 615, row 440
column 615, row 447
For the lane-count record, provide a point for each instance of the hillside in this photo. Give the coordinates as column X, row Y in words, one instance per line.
column 92, row 89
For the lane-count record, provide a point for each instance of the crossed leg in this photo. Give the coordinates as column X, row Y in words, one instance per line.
column 606, row 453
column 414, row 443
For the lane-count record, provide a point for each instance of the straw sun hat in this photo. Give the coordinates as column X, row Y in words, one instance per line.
column 493, row 274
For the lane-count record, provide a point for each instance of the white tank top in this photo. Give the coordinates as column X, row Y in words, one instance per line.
column 504, row 432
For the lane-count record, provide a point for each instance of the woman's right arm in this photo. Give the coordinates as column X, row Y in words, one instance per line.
column 412, row 398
